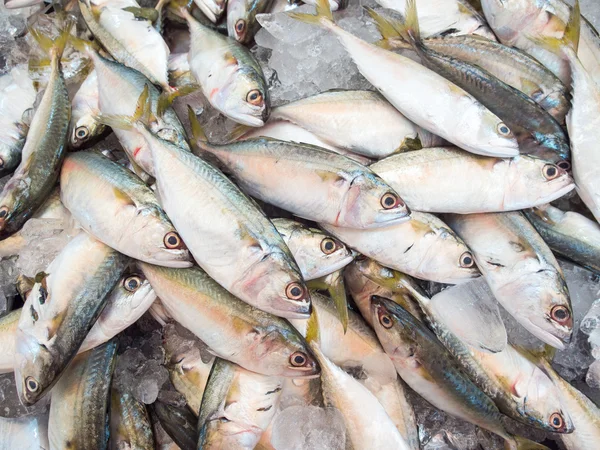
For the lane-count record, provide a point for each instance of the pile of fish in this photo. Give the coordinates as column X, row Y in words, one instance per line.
column 348, row 253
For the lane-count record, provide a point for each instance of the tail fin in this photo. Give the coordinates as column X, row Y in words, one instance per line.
column 312, row 329
column 322, row 15
column 143, row 114
column 570, row 40
column 521, row 443
column 167, row 97
column 54, row 48
column 198, row 133
column 389, row 28
column 334, row 284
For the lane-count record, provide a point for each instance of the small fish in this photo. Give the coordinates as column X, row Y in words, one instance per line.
column 521, row 271
column 423, row 96
column 79, row 412
column 237, row 407
column 123, row 212
column 44, row 148
column 427, row 367
column 130, row 426
column 85, row 110
column 241, row 18
column 231, row 328
column 310, row 182
column 230, row 78
column 569, row 234
column 60, row 310
column 424, row 247
column 361, row 122
column 444, row 179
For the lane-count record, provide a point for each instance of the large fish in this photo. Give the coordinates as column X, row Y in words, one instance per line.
column 444, row 179
column 60, row 310
column 124, row 212
column 44, row 147
column 79, row 412
column 424, row 97
column 231, row 328
column 424, row 247
column 237, row 407
column 569, row 234
column 310, row 182
column 521, row 271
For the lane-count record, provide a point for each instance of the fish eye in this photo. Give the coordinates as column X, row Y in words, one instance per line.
column 560, row 314
column 255, row 97
column 3, row 212
column 328, row 246
column 294, row 291
column 503, row 129
column 556, row 421
column 240, row 26
column 32, row 384
column 298, row 359
column 82, row 132
column 550, row 171
column 386, row 321
column 172, row 241
column 390, row 200
column 466, row 260
column 132, row 282
column 564, row 164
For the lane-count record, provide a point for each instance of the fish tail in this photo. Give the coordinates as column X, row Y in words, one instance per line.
column 237, row 132
column 389, row 30
column 54, row 48
column 167, row 97
column 569, row 43
column 334, row 284
column 322, row 17
column 521, row 443
column 143, row 114
column 198, row 133
column 312, row 328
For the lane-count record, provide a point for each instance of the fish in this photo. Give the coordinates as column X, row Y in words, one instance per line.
column 130, row 426
column 124, row 214
column 189, row 362
column 178, row 422
column 61, row 308
column 17, row 96
column 232, row 329
column 241, row 18
column 237, row 407
column 44, row 148
column 518, row 111
column 319, row 185
column 424, row 247
column 362, row 122
column 513, row 66
column 229, row 76
column 521, row 271
column 79, row 412
column 317, row 253
column 25, row 433
column 357, row 352
column 446, row 17
column 427, row 367
column 569, row 234
column 85, row 109
column 8, row 329
column 367, row 423
column 423, row 97
column 443, row 180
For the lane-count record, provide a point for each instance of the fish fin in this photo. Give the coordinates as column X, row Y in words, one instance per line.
column 115, row 121
column 570, row 39
column 167, row 97
column 312, row 328
column 39, row 277
column 237, row 132
column 410, row 144
column 521, row 443
column 54, row 48
column 531, row 86
column 142, row 114
column 388, row 28
column 519, row 388
column 122, row 197
column 334, row 285
column 327, row 175
column 24, row 285
column 198, row 134
column 322, row 16
column 543, row 215
column 150, row 14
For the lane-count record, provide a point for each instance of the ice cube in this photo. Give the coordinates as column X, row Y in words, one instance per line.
column 309, row 428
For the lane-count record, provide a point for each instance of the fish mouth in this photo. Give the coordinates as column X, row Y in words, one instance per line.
column 176, row 260
column 548, row 337
column 248, row 119
column 294, row 310
column 565, row 190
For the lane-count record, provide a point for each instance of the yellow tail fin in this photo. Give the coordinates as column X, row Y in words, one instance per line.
column 198, row 133
column 167, row 97
column 570, row 39
column 312, row 328
column 321, row 17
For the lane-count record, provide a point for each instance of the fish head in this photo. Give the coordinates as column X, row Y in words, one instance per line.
column 370, row 202
column 35, row 372
column 244, row 98
column 542, row 406
column 547, row 180
column 237, row 20
column 396, row 331
column 129, row 299
column 84, row 128
column 318, row 253
column 495, row 137
column 10, row 156
column 13, row 206
column 277, row 287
